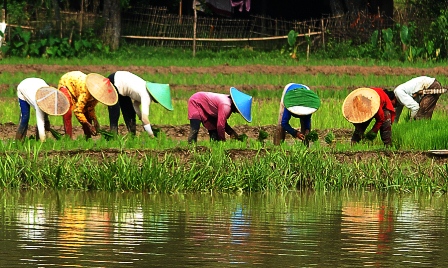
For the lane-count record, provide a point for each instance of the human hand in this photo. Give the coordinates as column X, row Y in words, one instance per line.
column 96, row 125
column 148, row 129
column 300, row 135
column 91, row 128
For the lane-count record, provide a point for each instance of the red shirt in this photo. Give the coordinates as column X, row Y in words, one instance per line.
column 385, row 104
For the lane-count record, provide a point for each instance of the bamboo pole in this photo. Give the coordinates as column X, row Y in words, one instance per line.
column 194, row 28
column 81, row 19
column 180, row 12
column 323, row 32
column 308, row 47
column 215, row 40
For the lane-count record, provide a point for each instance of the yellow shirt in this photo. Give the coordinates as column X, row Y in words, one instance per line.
column 83, row 102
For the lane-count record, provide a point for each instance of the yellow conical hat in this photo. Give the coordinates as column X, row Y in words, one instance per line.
column 101, row 89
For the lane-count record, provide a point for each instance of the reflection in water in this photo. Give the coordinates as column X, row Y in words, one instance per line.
column 366, row 228
column 295, row 229
column 32, row 220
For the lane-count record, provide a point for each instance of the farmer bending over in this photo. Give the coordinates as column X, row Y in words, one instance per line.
column 420, row 95
column 297, row 101
column 363, row 105
column 84, row 92
column 134, row 98
column 213, row 110
column 44, row 99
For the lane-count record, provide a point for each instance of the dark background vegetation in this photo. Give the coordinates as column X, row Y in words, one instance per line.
column 403, row 29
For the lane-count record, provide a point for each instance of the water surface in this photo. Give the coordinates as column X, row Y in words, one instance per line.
column 346, row 229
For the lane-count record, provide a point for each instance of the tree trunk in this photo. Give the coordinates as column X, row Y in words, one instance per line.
column 57, row 16
column 112, row 27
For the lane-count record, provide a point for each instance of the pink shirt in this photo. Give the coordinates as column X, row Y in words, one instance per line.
column 213, row 109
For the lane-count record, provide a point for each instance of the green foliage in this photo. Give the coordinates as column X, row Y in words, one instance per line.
column 329, row 138
column 242, row 137
column 106, row 134
column 23, row 44
column 312, row 136
column 371, row 135
column 262, row 135
column 55, row 134
column 437, row 38
column 293, row 44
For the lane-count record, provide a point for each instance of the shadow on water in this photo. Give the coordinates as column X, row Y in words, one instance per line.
column 294, row 229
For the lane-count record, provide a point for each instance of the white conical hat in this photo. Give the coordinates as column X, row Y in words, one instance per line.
column 52, row 101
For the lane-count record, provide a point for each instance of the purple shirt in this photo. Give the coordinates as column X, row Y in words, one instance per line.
column 213, row 109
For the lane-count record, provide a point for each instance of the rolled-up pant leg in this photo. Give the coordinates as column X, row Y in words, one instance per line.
column 195, row 124
column 386, row 129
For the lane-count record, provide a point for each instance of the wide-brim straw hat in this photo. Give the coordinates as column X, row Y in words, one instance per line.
column 361, row 105
column 101, row 89
column 52, row 101
column 161, row 93
column 300, row 100
column 243, row 103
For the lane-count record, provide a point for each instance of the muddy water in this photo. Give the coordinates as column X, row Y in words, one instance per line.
column 96, row 229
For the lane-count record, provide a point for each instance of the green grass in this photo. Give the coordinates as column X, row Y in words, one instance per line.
column 155, row 56
column 268, row 170
column 145, row 164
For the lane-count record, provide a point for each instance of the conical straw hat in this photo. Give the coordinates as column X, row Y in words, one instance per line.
column 361, row 105
column 101, row 89
column 300, row 100
column 52, row 101
column 161, row 93
column 243, row 103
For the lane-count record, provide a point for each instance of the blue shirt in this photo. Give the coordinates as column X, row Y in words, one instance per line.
column 305, row 122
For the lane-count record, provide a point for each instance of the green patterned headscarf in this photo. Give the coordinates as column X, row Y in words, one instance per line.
column 301, row 97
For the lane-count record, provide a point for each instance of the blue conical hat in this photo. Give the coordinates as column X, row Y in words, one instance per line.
column 243, row 103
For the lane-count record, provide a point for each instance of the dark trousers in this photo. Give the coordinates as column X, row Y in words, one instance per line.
column 385, row 129
column 195, row 124
column 125, row 105
column 428, row 103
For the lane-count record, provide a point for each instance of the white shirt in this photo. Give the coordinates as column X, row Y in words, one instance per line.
column 131, row 85
column 404, row 92
column 26, row 91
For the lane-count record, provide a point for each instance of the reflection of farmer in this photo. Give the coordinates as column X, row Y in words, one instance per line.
column 27, row 91
column 363, row 105
column 213, row 110
column 297, row 101
column 419, row 95
column 84, row 92
column 134, row 98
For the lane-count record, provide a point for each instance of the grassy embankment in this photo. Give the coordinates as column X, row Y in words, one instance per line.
column 33, row 165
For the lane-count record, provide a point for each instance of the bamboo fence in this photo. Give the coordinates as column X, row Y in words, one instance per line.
column 154, row 26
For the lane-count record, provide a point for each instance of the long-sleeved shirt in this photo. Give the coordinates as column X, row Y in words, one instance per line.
column 26, row 91
column 213, row 109
column 385, row 104
column 134, row 87
column 82, row 100
column 305, row 122
column 404, row 92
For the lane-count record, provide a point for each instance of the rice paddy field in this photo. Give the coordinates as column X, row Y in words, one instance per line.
column 168, row 163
